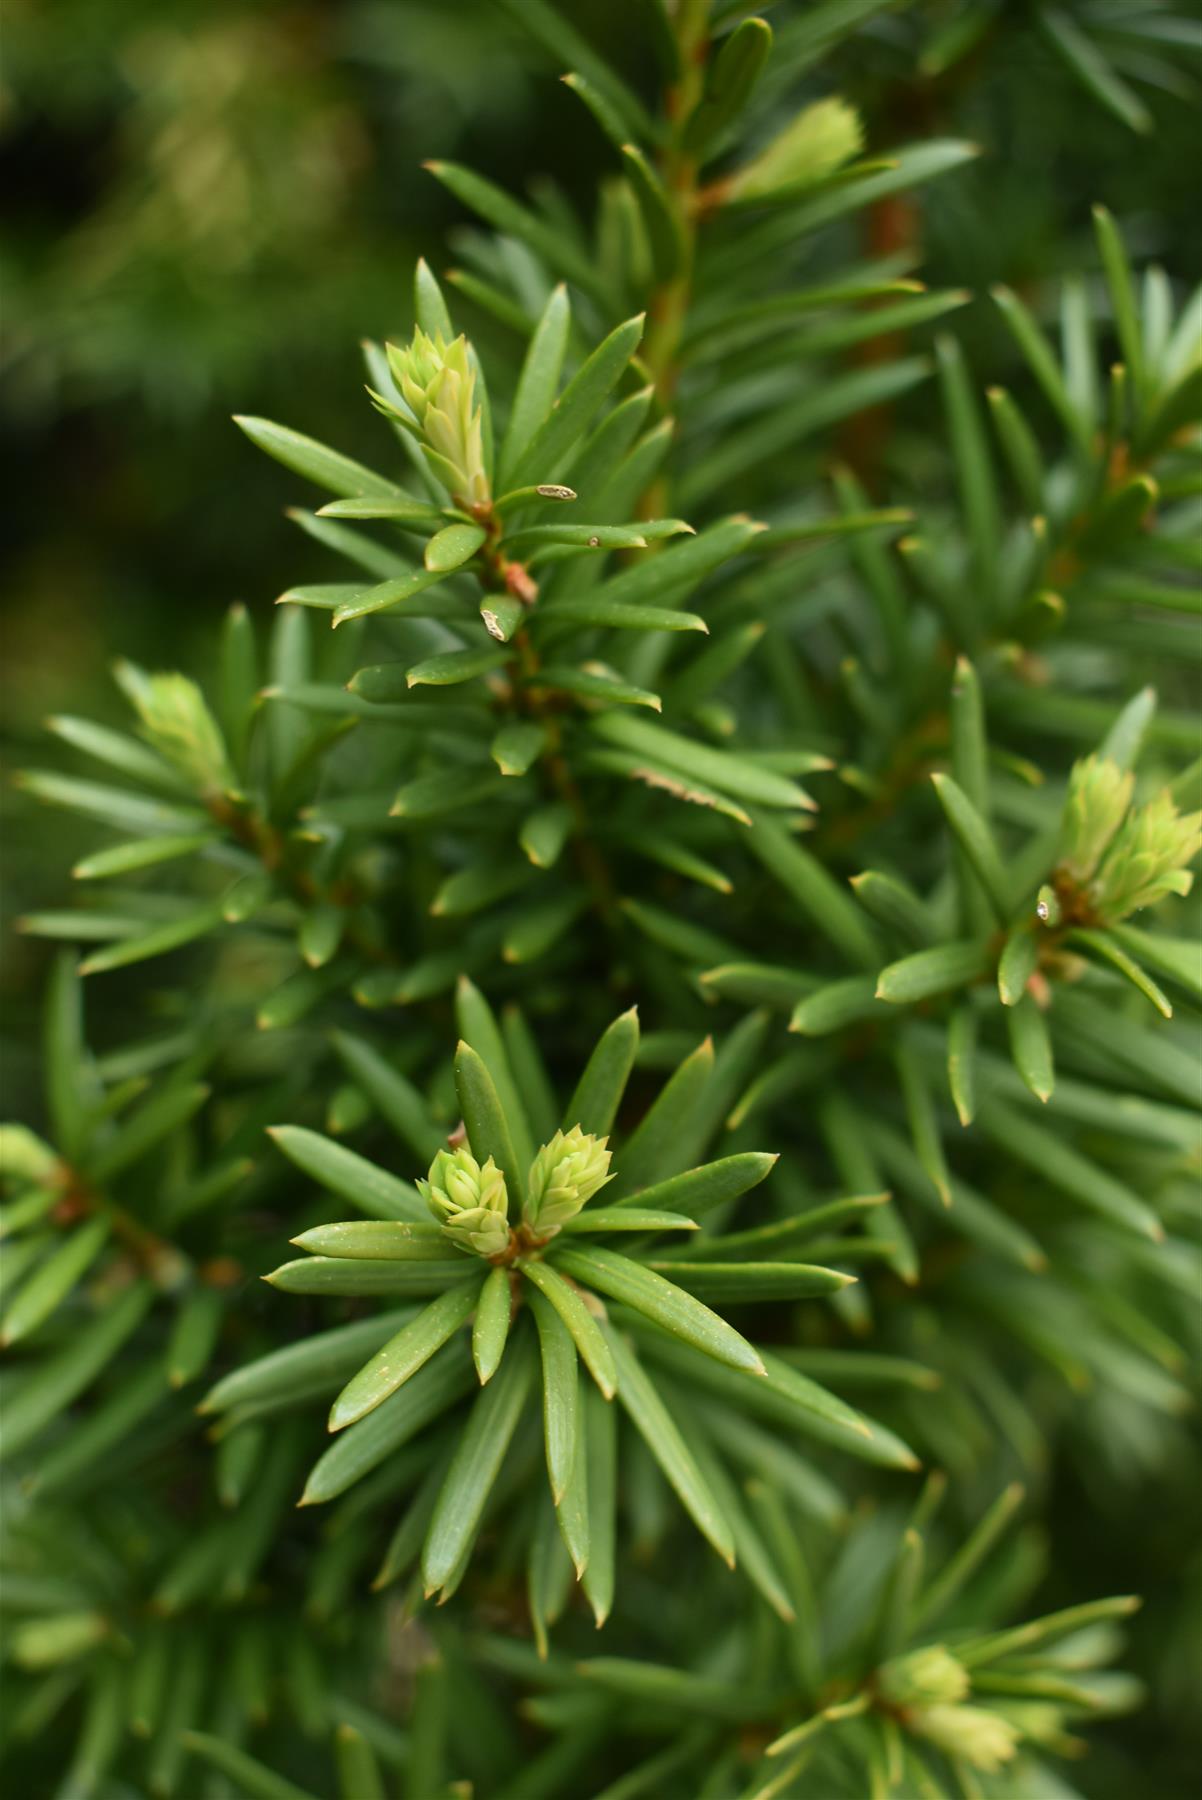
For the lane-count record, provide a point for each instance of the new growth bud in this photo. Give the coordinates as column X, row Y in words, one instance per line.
column 927, row 1677
column 24, row 1157
column 1129, row 856
column 177, row 722
column 438, row 384
column 984, row 1740
column 818, row 142
column 1099, row 793
column 469, row 1202
column 1148, row 859
column 563, row 1176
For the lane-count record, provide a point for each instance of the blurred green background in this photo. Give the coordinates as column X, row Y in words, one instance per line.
column 211, row 203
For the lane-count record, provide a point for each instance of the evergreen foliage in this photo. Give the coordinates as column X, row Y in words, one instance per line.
column 707, row 888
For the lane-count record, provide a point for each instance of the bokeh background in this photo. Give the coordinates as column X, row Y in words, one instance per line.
column 211, row 202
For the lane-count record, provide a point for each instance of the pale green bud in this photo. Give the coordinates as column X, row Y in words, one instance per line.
column 1147, row 859
column 24, row 1156
column 984, row 1740
column 469, row 1202
column 479, row 1230
column 438, row 384
column 1099, row 793
column 818, row 142
column 564, row 1174
column 927, row 1677
column 1040, row 1721
column 176, row 721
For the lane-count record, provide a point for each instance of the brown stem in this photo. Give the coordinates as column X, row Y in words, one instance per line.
column 668, row 307
column 80, row 1200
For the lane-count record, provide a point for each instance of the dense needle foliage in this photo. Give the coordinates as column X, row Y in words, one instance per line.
column 671, row 955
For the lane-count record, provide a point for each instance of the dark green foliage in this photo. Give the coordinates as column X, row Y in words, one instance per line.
column 696, row 960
